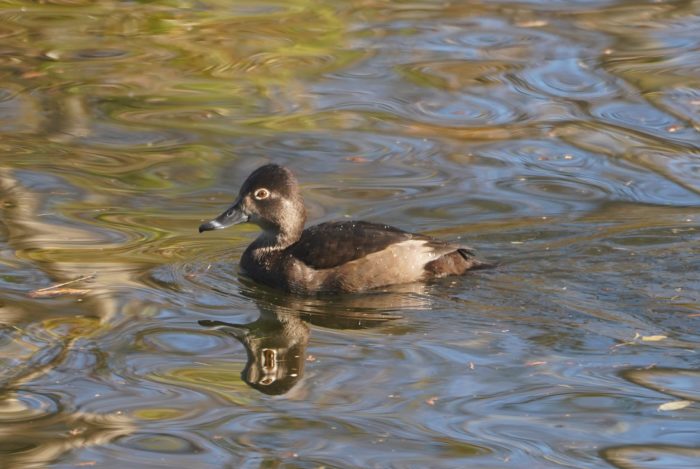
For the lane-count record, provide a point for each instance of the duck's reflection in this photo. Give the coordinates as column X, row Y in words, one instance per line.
column 276, row 347
column 276, row 341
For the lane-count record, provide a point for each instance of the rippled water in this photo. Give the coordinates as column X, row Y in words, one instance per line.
column 560, row 139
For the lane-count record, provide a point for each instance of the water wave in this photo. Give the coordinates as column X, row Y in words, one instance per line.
column 572, row 79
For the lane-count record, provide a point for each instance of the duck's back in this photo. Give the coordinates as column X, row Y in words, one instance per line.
column 333, row 244
column 357, row 255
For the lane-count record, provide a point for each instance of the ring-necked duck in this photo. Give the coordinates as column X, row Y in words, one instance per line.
column 343, row 256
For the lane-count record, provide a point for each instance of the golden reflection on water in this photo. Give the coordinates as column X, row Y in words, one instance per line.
column 560, row 139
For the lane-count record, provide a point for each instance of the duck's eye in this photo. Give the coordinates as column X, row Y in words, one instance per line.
column 261, row 194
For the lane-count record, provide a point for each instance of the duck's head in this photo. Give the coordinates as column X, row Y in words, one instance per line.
column 270, row 198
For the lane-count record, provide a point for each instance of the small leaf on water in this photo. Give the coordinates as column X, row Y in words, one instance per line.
column 431, row 400
column 653, row 338
column 356, row 159
column 674, row 405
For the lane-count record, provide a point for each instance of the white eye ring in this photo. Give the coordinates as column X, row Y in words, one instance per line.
column 261, row 194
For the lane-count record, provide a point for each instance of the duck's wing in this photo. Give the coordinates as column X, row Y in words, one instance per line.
column 332, row 244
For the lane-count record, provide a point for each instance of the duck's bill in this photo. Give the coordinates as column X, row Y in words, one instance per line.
column 232, row 216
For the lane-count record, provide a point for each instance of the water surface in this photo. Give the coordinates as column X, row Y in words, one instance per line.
column 559, row 139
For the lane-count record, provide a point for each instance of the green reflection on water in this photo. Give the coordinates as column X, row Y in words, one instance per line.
column 223, row 380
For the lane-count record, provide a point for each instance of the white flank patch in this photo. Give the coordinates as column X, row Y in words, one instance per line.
column 411, row 256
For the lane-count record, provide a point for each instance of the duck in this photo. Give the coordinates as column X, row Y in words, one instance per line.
column 332, row 257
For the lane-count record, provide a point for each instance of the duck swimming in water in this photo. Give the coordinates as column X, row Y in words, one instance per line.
column 341, row 256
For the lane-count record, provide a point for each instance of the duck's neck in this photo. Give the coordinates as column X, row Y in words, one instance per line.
column 274, row 240
column 285, row 230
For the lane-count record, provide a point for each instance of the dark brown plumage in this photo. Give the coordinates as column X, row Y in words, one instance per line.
column 347, row 240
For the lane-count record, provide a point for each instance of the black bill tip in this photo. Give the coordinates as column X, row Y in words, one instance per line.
column 209, row 226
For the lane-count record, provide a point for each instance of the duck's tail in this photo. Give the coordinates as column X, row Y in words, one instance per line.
column 470, row 257
column 457, row 262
